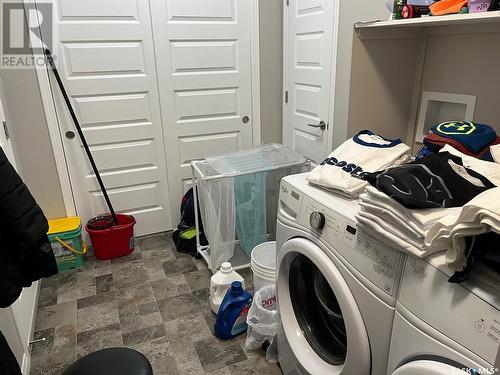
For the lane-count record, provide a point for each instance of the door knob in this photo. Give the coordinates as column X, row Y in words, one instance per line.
column 321, row 125
column 245, row 119
column 70, row 134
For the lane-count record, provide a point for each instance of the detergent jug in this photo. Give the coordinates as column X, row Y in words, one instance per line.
column 220, row 283
column 232, row 317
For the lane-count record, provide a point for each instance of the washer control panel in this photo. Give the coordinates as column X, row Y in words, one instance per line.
column 290, row 201
column 375, row 261
column 386, row 263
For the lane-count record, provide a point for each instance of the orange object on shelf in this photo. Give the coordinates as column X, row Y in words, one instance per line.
column 440, row 8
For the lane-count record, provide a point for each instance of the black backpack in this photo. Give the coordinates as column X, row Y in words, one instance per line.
column 184, row 236
column 187, row 210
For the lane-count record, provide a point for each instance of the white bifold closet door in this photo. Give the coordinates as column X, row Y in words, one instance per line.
column 203, row 56
column 105, row 54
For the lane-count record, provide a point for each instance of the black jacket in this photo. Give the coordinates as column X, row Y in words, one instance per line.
column 25, row 251
column 8, row 362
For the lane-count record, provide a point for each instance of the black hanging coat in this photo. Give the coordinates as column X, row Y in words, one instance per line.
column 25, row 251
column 8, row 362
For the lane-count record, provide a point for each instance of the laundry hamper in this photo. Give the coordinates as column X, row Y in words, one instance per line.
column 237, row 195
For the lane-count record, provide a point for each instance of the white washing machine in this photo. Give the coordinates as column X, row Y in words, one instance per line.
column 336, row 287
column 442, row 328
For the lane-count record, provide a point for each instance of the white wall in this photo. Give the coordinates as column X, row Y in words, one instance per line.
column 350, row 11
column 387, row 80
column 31, row 142
column 30, row 137
column 475, row 70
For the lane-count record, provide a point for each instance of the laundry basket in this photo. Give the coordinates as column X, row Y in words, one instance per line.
column 238, row 197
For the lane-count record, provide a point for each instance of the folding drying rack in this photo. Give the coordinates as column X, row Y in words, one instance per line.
column 218, row 175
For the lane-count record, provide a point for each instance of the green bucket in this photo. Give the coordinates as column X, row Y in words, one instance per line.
column 65, row 236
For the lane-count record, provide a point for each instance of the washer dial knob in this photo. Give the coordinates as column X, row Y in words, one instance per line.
column 317, row 220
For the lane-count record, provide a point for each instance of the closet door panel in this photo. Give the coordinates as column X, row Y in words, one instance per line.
column 105, row 55
column 203, row 60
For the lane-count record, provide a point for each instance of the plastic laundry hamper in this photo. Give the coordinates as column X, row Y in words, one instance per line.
column 65, row 237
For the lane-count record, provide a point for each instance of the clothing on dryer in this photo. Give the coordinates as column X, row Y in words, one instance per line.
column 401, row 228
column 471, row 137
column 481, row 215
column 482, row 248
column 436, row 181
column 488, row 169
column 434, row 143
column 495, row 153
column 344, row 169
column 396, row 241
column 418, row 220
column 446, row 230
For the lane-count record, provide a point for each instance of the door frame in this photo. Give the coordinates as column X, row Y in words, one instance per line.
column 54, row 127
column 333, row 70
column 255, row 70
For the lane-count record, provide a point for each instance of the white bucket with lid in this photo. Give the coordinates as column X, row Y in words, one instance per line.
column 263, row 264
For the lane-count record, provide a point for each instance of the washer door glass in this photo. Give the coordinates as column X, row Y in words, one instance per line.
column 317, row 310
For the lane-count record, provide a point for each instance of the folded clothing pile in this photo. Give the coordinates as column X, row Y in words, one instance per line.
column 470, row 138
column 442, row 202
column 479, row 216
column 343, row 171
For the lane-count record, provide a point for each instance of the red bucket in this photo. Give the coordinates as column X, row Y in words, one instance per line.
column 113, row 242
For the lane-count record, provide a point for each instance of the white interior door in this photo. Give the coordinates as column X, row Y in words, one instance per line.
column 203, row 56
column 105, row 56
column 309, row 42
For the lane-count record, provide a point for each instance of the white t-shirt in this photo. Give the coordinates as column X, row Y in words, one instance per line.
column 418, row 219
column 495, row 152
column 488, row 169
column 345, row 167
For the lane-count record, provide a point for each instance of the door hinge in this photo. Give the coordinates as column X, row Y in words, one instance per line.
column 6, row 130
column 287, row 2
column 286, row 96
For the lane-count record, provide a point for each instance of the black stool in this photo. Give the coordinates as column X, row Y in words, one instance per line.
column 112, row 361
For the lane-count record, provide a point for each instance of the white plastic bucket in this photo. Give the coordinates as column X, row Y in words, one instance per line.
column 263, row 264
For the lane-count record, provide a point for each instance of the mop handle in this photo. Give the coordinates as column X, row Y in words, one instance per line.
column 81, row 135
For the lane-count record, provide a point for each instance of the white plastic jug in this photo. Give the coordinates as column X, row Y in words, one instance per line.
column 220, row 283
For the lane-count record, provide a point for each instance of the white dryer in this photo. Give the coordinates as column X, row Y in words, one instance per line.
column 442, row 328
column 336, row 287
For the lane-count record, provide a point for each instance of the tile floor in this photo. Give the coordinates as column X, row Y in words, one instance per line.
column 155, row 300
